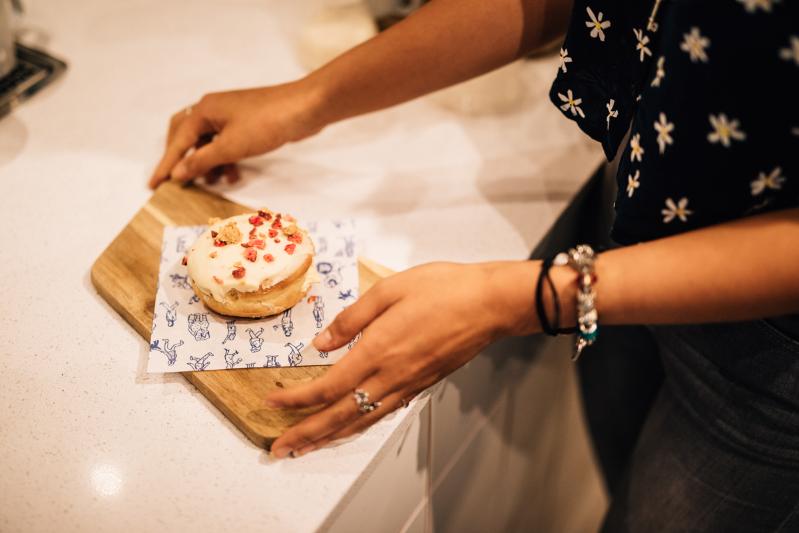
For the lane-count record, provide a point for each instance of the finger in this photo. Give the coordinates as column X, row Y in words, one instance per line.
column 352, row 369
column 391, row 403
column 355, row 318
column 337, row 416
column 213, row 175
column 186, row 135
column 216, row 153
column 231, row 173
column 175, row 121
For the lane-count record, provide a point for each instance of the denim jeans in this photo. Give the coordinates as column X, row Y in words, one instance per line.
column 719, row 449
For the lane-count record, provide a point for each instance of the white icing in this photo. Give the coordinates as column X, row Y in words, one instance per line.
column 259, row 274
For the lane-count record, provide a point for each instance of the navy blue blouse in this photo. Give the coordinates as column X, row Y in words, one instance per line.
column 710, row 90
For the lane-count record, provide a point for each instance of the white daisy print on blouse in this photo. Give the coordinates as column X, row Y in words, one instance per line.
column 724, row 130
column 752, row 5
column 564, row 58
column 664, row 129
column 636, row 152
column 633, row 183
column 643, row 40
column 694, row 43
column 571, row 103
column 612, row 113
column 791, row 53
column 772, row 180
column 660, row 73
column 679, row 210
column 596, row 24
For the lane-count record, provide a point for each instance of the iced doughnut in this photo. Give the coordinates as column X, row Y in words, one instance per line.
column 252, row 265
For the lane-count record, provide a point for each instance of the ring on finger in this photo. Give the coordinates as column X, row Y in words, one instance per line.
column 362, row 400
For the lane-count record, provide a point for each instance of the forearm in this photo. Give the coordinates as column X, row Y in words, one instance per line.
column 740, row 270
column 443, row 43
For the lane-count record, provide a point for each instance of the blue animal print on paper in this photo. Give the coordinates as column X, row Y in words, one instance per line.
column 155, row 321
column 249, row 365
column 193, row 300
column 286, row 323
column 200, row 363
column 319, row 311
column 231, row 331
column 349, row 246
column 271, row 362
column 345, row 295
column 198, row 326
column 322, row 248
column 255, row 340
column 295, row 357
column 171, row 313
column 337, row 224
column 230, row 358
column 180, row 246
column 180, row 281
column 312, row 226
column 332, row 277
column 170, row 352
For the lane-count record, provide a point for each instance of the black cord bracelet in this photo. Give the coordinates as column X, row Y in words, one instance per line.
column 539, row 298
column 550, row 328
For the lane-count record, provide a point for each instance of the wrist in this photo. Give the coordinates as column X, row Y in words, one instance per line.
column 314, row 96
column 511, row 291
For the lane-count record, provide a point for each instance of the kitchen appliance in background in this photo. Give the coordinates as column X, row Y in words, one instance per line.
column 23, row 71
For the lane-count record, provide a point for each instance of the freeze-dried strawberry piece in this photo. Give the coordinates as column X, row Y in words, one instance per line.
column 255, row 220
column 252, row 233
column 277, row 224
column 219, row 243
column 214, row 234
column 272, row 233
column 290, row 248
column 250, row 255
column 268, row 258
column 216, row 279
column 254, row 243
column 185, row 261
column 296, row 238
column 239, row 272
column 277, row 241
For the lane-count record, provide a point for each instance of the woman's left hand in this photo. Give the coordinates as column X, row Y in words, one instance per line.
column 418, row 326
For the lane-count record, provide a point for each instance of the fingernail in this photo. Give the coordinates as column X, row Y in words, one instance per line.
column 280, row 453
column 323, row 339
column 180, row 171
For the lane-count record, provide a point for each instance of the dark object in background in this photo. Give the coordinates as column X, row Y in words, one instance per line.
column 33, row 71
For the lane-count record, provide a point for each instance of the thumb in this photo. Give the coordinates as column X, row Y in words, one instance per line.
column 200, row 162
column 354, row 318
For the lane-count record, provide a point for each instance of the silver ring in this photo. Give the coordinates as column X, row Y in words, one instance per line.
column 188, row 110
column 362, row 399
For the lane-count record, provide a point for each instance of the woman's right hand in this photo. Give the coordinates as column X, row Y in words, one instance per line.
column 223, row 128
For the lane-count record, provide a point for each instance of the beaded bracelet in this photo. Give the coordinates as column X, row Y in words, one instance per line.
column 581, row 258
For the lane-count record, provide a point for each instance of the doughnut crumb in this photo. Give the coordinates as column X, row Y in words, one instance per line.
column 230, row 233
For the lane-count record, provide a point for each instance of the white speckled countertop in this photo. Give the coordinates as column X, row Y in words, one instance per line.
column 88, row 442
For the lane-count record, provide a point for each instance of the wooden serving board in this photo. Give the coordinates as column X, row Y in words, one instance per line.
column 126, row 274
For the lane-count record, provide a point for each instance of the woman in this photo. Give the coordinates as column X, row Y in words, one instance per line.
column 708, row 192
